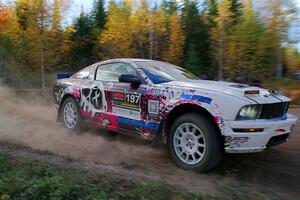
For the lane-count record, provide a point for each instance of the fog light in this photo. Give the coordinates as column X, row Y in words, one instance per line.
column 280, row 130
column 244, row 130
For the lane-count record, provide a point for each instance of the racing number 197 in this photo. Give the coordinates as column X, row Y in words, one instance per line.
column 132, row 98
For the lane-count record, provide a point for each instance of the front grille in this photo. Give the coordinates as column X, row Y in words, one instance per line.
column 274, row 110
column 279, row 139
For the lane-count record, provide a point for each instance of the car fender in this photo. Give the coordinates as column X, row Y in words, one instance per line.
column 217, row 105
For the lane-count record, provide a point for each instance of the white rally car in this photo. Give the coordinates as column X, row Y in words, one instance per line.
column 197, row 119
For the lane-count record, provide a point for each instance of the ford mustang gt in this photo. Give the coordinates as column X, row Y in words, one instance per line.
column 197, row 119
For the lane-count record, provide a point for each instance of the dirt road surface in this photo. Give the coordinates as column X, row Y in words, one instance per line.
column 30, row 122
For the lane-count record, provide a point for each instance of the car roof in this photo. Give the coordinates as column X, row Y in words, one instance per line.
column 128, row 59
column 122, row 60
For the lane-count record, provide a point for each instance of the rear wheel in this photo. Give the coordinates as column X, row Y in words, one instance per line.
column 194, row 143
column 71, row 115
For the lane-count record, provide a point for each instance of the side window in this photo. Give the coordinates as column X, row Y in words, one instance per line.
column 83, row 74
column 111, row 72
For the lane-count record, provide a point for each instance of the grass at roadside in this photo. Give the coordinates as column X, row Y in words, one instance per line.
column 23, row 178
column 27, row 179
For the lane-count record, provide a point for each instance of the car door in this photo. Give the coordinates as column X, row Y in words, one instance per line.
column 122, row 109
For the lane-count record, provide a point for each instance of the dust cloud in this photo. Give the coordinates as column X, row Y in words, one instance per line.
column 28, row 119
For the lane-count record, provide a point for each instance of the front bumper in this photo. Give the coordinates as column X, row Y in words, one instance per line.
column 275, row 131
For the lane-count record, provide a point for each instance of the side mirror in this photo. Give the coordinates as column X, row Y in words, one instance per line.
column 62, row 76
column 129, row 78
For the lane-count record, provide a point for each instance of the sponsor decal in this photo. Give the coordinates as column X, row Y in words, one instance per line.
column 236, row 140
column 155, row 91
column 196, row 98
column 240, row 139
column 94, row 96
column 153, row 107
column 76, row 93
column 127, row 100
column 118, row 96
column 126, row 112
column 137, row 123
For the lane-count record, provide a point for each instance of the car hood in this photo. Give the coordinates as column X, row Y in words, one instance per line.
column 233, row 89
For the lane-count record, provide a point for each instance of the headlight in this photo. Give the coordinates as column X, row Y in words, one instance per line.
column 249, row 112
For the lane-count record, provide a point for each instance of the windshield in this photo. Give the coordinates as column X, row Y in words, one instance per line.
column 161, row 72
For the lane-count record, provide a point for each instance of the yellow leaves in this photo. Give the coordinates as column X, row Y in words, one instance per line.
column 69, row 29
column 157, row 34
column 248, row 9
column 159, row 22
column 240, row 46
column 142, row 33
column 140, row 21
column 243, row 48
column 56, row 15
column 174, row 51
column 225, row 18
column 133, row 33
column 140, row 25
column 292, row 60
column 220, row 36
column 131, row 3
column 116, row 39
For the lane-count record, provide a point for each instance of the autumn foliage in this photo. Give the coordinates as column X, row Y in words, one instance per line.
column 224, row 39
column 4, row 15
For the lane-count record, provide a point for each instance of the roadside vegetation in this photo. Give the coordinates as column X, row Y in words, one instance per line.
column 27, row 179
column 22, row 177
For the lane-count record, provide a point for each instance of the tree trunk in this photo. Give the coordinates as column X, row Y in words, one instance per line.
column 151, row 42
column 220, row 61
column 42, row 62
column 42, row 52
column 279, row 66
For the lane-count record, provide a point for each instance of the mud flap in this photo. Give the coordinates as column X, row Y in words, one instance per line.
column 58, row 116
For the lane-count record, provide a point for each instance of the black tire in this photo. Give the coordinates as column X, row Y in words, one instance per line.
column 79, row 125
column 213, row 141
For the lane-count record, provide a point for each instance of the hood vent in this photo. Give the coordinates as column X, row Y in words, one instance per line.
column 252, row 92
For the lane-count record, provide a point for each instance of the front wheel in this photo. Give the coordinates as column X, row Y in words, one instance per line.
column 194, row 143
column 71, row 116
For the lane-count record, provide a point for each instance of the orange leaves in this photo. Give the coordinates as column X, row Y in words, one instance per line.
column 4, row 15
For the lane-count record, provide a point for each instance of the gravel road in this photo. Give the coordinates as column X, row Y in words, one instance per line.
column 31, row 123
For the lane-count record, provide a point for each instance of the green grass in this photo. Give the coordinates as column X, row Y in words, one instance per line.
column 27, row 179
